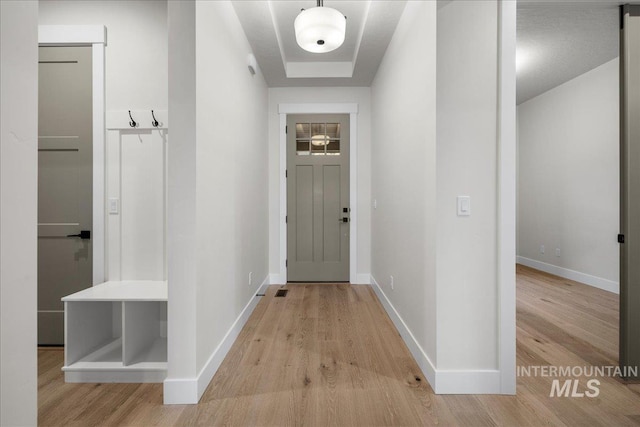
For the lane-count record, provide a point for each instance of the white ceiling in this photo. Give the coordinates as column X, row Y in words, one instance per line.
column 269, row 28
column 558, row 41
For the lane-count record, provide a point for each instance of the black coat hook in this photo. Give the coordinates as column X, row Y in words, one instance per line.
column 155, row 122
column 132, row 123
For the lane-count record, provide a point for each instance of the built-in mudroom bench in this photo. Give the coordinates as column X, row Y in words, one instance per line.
column 116, row 332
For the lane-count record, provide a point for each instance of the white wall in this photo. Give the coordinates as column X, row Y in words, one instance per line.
column 569, row 178
column 18, row 212
column 306, row 95
column 232, row 190
column 136, row 178
column 403, row 174
column 181, row 212
column 434, row 137
column 467, row 165
column 217, row 172
column 136, row 50
column 135, row 79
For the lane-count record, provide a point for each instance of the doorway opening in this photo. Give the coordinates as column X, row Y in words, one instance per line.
column 71, row 238
column 350, row 126
column 568, row 182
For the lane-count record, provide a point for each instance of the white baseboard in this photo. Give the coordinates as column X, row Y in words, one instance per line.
column 468, row 382
column 587, row 279
column 441, row 381
column 110, row 375
column 276, row 279
column 427, row 368
column 190, row 390
column 363, row 279
column 180, row 391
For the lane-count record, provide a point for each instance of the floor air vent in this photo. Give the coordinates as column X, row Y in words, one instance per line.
column 282, row 292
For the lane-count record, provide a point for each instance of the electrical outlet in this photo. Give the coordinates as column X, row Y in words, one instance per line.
column 375, row 203
column 250, row 278
column 542, row 249
column 557, row 252
column 391, row 282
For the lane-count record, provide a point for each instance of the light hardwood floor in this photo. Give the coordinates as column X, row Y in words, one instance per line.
column 329, row 355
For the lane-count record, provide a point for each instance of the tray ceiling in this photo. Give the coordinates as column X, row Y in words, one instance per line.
column 269, row 27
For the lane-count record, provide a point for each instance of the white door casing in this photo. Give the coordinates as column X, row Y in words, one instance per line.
column 337, row 108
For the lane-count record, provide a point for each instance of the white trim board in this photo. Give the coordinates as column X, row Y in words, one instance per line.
column 71, row 34
column 275, row 279
column 113, row 375
column 330, row 108
column 442, row 381
column 468, row 382
column 183, row 391
column 313, row 108
column 425, row 364
column 506, row 218
column 363, row 279
column 96, row 37
column 587, row 279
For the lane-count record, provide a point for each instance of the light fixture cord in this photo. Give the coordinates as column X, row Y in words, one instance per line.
column 320, row 3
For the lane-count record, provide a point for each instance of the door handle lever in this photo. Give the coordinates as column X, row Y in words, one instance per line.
column 84, row 234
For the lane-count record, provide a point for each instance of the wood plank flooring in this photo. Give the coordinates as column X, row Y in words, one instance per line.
column 329, row 355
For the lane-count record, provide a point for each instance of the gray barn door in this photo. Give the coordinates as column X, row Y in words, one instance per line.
column 630, row 187
column 64, row 183
column 318, row 198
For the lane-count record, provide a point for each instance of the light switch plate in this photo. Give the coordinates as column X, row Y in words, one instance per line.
column 464, row 206
column 114, row 206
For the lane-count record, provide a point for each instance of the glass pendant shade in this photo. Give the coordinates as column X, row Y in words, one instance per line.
column 320, row 29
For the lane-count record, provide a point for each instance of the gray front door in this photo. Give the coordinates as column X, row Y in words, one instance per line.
column 64, row 183
column 318, row 198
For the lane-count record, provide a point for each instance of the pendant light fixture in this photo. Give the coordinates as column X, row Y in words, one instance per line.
column 319, row 140
column 320, row 29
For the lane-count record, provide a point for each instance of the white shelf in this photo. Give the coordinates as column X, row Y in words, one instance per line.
column 109, row 353
column 155, row 356
column 125, row 290
column 116, row 332
column 109, row 358
column 115, row 373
